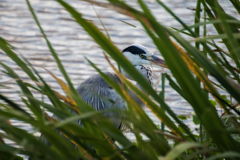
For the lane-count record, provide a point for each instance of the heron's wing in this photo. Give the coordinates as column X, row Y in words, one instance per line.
column 100, row 95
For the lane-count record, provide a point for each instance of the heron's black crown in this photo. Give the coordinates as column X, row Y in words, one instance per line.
column 134, row 50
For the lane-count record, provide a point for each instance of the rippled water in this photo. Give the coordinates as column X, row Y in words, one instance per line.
column 73, row 44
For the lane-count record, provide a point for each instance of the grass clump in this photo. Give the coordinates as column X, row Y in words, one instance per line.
column 218, row 137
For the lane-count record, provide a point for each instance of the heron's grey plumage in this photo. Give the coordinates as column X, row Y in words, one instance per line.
column 100, row 95
column 96, row 92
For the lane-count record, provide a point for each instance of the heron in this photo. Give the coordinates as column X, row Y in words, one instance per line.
column 101, row 96
column 96, row 91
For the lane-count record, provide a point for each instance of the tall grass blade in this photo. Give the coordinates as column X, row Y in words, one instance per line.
column 236, row 4
column 7, row 49
column 13, row 104
column 35, row 108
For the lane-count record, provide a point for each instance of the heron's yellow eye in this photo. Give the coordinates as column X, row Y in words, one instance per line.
column 141, row 55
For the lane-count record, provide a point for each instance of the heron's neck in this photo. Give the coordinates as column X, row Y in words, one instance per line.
column 145, row 71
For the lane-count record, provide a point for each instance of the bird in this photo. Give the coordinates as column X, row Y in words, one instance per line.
column 101, row 96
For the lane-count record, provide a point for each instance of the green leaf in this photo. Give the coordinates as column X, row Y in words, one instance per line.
column 225, row 98
column 182, row 117
column 214, row 103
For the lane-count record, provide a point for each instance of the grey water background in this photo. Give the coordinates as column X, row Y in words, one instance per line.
column 73, row 44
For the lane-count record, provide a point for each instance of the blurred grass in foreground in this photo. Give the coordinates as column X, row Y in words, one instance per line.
column 219, row 134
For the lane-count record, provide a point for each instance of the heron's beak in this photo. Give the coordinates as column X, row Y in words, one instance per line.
column 156, row 61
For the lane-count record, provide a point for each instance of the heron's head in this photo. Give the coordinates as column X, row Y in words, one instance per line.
column 138, row 54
